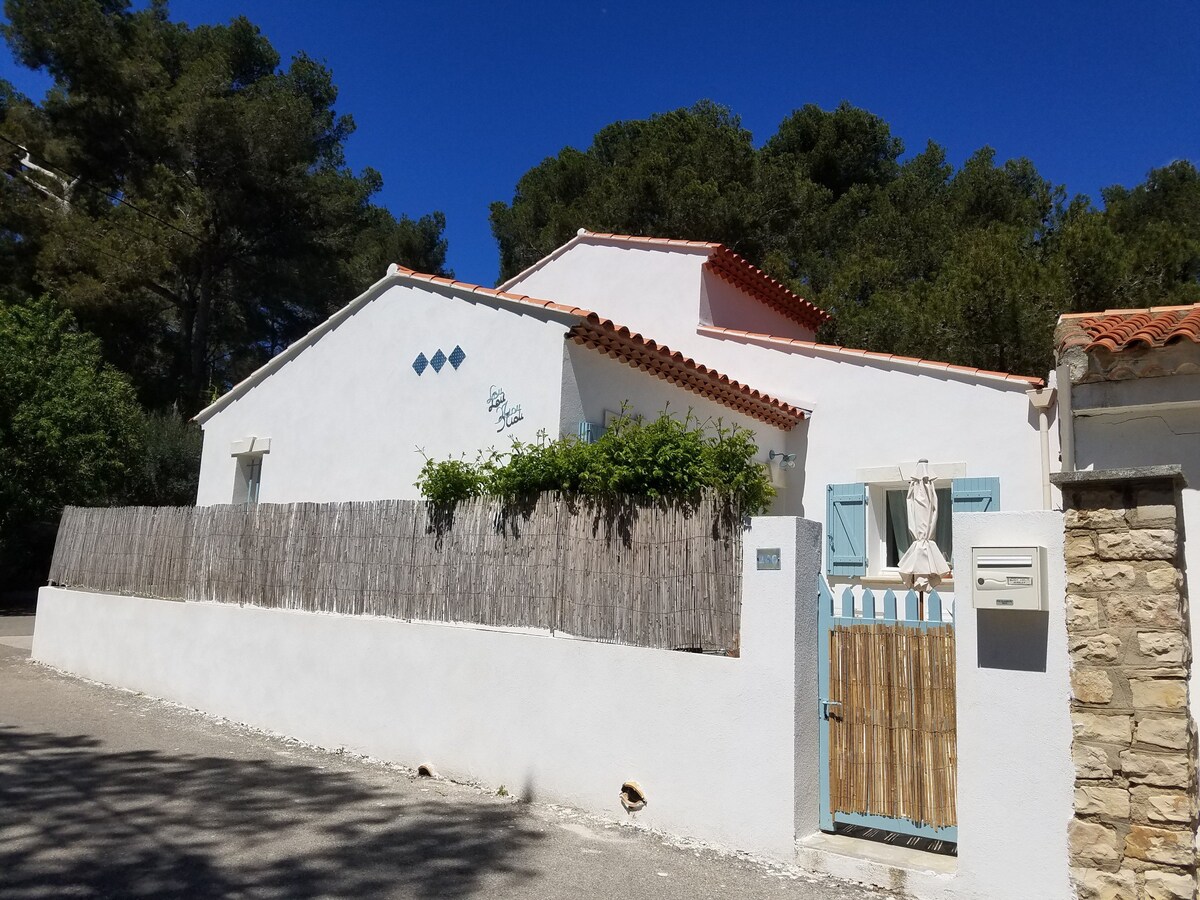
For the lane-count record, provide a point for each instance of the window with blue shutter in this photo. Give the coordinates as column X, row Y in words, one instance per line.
column 975, row 494
column 846, row 529
column 589, row 432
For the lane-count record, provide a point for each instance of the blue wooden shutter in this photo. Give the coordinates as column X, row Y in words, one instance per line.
column 846, row 526
column 975, row 494
column 589, row 432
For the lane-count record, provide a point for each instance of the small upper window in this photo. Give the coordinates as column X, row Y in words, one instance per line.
column 896, row 527
column 249, row 476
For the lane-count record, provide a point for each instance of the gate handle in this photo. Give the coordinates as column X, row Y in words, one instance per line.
column 825, row 704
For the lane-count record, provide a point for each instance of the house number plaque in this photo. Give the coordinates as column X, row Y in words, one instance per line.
column 768, row 559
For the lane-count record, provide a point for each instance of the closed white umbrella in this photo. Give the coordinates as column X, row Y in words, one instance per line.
column 922, row 566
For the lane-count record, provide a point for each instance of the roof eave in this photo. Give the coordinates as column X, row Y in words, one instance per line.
column 794, row 344
column 296, row 348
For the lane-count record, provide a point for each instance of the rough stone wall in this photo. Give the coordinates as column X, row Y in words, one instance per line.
column 1133, row 834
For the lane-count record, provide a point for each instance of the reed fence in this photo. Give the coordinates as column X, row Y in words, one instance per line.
column 665, row 575
column 893, row 739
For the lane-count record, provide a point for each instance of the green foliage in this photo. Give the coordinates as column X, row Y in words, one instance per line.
column 167, row 472
column 69, row 429
column 686, row 174
column 667, row 457
column 911, row 256
column 241, row 226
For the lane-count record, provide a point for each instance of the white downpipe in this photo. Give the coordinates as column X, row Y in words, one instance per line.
column 1042, row 399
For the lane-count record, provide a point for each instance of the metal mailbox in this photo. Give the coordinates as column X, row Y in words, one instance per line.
column 1009, row 577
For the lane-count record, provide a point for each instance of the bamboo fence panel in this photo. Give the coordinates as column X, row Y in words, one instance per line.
column 652, row 574
column 893, row 744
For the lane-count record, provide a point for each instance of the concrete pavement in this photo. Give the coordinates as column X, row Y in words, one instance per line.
column 107, row 793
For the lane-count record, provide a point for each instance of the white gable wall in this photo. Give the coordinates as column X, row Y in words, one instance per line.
column 660, row 291
column 726, row 306
column 653, row 291
column 593, row 383
column 347, row 415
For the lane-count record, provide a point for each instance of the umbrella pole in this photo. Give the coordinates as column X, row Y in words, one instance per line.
column 921, row 605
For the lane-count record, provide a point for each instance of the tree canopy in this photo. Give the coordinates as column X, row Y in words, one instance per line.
column 69, row 426
column 185, row 194
column 912, row 256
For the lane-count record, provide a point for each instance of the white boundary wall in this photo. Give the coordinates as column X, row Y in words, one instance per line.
column 725, row 749
column 1015, row 775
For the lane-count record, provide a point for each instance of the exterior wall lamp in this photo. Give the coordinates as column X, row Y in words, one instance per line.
column 786, row 460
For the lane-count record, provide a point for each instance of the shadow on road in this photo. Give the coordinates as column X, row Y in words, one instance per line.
column 77, row 820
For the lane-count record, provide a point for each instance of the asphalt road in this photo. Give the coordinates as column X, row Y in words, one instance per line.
column 107, row 793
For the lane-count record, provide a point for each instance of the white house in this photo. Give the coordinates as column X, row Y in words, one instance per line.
column 420, row 364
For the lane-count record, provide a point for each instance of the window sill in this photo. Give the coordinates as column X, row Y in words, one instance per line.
column 895, row 581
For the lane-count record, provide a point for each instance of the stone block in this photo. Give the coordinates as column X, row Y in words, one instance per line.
column 1162, row 646
column 1096, row 648
column 1160, row 515
column 1080, row 546
column 1139, row 544
column 1098, row 496
column 1091, row 685
column 1153, row 508
column 1160, row 885
column 1166, row 768
column 1105, row 519
column 1092, row 884
column 1093, row 726
column 1162, row 577
column 1083, row 613
column 1103, row 577
column 1170, row 732
column 1090, row 762
column 1092, row 844
column 1159, row 693
column 1150, row 671
column 1169, row 846
column 1098, row 800
column 1161, row 610
column 1153, row 804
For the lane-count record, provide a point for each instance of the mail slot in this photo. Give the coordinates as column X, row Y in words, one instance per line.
column 1008, row 577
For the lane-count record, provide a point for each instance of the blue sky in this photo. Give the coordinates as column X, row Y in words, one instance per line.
column 455, row 101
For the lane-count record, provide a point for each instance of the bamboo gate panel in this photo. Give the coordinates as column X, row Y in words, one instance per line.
column 658, row 574
column 892, row 732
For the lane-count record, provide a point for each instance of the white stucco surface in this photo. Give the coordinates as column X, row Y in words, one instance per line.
column 1015, row 776
column 348, row 417
column 654, row 292
column 718, row 744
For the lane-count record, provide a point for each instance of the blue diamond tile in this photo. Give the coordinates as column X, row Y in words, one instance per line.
column 457, row 356
column 439, row 360
column 420, row 363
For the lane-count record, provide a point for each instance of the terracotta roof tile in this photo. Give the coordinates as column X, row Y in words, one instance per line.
column 1117, row 330
column 621, row 342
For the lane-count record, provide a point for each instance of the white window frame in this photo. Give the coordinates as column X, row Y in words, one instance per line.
column 248, row 456
column 878, row 482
